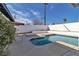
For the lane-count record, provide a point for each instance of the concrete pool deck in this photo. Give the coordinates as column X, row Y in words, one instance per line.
column 23, row 47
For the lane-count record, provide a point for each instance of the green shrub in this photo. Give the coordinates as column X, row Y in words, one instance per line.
column 7, row 33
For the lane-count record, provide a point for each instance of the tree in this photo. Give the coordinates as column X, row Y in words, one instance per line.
column 53, row 23
column 7, row 33
column 75, row 4
column 65, row 20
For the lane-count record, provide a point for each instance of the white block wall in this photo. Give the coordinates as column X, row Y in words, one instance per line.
column 61, row 27
column 58, row 27
column 73, row 26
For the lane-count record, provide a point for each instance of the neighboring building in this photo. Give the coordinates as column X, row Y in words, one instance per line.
column 18, row 24
column 37, row 22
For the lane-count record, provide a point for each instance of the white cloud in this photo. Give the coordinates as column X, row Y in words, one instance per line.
column 22, row 19
column 51, row 7
column 19, row 15
column 35, row 13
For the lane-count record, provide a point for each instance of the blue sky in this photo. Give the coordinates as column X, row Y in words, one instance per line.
column 56, row 12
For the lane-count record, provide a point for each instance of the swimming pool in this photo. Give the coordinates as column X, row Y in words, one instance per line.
column 53, row 38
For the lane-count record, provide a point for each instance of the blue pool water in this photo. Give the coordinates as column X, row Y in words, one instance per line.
column 53, row 38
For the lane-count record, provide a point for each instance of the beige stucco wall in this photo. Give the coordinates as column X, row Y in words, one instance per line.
column 29, row 28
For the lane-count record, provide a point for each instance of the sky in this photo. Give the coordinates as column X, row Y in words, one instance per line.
column 55, row 12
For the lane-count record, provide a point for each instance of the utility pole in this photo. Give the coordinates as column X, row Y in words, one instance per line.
column 45, row 12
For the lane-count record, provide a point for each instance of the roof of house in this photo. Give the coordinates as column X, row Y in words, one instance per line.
column 5, row 11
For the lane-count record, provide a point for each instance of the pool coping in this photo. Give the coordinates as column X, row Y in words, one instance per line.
column 68, row 45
